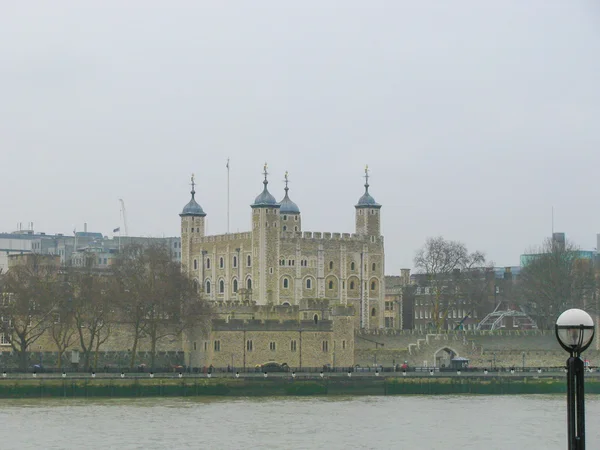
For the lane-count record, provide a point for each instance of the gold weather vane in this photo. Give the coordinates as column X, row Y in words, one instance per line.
column 367, row 174
column 265, row 171
column 286, row 179
column 193, row 183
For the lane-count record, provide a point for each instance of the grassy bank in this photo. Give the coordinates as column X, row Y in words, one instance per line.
column 40, row 388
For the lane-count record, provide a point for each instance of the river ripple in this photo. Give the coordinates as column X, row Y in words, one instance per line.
column 445, row 422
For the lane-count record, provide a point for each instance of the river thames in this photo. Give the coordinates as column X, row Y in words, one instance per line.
column 445, row 422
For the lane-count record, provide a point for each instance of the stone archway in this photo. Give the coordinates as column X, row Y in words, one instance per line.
column 443, row 356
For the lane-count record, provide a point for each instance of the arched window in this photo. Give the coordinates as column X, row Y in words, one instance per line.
column 331, row 285
column 284, row 228
column 352, row 285
column 249, row 261
column 235, row 261
column 221, row 286
column 208, row 263
column 373, row 266
column 195, row 264
column 196, row 286
column 373, row 312
column 308, row 283
column 284, row 217
column 352, row 266
column 373, row 285
column 235, row 286
column 286, row 283
column 208, row 287
column 330, row 265
column 221, row 263
column 316, row 318
column 295, row 228
column 249, row 283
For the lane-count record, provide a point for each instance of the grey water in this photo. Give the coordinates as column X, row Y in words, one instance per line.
column 445, row 422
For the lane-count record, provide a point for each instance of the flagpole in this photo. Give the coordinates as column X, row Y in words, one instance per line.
column 227, row 195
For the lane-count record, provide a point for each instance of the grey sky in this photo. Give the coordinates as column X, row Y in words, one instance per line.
column 476, row 117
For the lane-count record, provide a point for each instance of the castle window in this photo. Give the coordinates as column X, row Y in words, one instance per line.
column 249, row 345
column 195, row 264
column 373, row 312
column 270, row 270
column 352, row 266
column 373, row 266
column 284, row 217
column 194, row 346
column 217, row 346
column 284, row 228
column 331, row 285
column 308, row 283
column 373, row 285
column 352, row 285
column 289, row 262
column 296, row 218
column 205, row 346
column 316, row 318
column 325, row 346
column 272, row 346
column 192, row 229
column 330, row 265
column 221, row 286
column 196, row 286
column 344, row 345
column 293, row 262
column 295, row 228
column 208, row 263
column 293, row 345
column 249, row 261
column 221, row 262
column 235, row 261
column 249, row 284
column 235, row 285
column 286, row 283
column 208, row 287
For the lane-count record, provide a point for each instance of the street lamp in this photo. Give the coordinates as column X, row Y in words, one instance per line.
column 574, row 332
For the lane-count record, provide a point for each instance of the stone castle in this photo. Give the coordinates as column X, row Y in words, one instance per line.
column 281, row 294
column 277, row 263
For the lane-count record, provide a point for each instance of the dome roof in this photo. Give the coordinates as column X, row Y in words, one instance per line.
column 265, row 198
column 366, row 201
column 192, row 208
column 287, row 205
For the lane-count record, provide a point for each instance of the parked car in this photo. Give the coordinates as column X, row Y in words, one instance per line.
column 274, row 367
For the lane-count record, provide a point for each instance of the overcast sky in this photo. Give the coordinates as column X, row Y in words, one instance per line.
column 475, row 117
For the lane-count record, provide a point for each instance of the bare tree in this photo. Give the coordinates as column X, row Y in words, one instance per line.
column 453, row 276
column 556, row 278
column 31, row 293
column 62, row 330
column 158, row 298
column 93, row 309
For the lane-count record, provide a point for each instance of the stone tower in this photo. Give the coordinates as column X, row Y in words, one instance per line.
column 368, row 220
column 192, row 224
column 289, row 213
column 265, row 246
column 368, row 224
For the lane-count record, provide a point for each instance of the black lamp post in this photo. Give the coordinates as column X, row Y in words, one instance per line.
column 575, row 331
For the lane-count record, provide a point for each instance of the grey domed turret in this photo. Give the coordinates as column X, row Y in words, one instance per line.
column 192, row 208
column 367, row 201
column 287, row 205
column 265, row 199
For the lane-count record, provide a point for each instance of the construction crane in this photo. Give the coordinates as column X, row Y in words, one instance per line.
column 124, row 214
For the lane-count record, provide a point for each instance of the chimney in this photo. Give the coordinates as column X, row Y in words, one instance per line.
column 405, row 276
column 85, row 227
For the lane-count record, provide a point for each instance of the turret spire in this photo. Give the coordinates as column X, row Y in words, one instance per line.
column 193, row 183
column 286, row 181
column 366, row 200
column 367, row 179
column 265, row 198
column 288, row 206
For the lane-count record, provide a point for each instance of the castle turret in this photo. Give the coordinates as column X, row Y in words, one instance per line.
column 289, row 213
column 265, row 246
column 368, row 219
column 192, row 224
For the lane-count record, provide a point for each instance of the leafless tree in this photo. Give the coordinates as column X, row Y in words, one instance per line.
column 62, row 331
column 453, row 276
column 93, row 308
column 158, row 299
column 31, row 293
column 556, row 277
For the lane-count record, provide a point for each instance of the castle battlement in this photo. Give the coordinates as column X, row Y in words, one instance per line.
column 225, row 237
column 271, row 325
column 324, row 235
